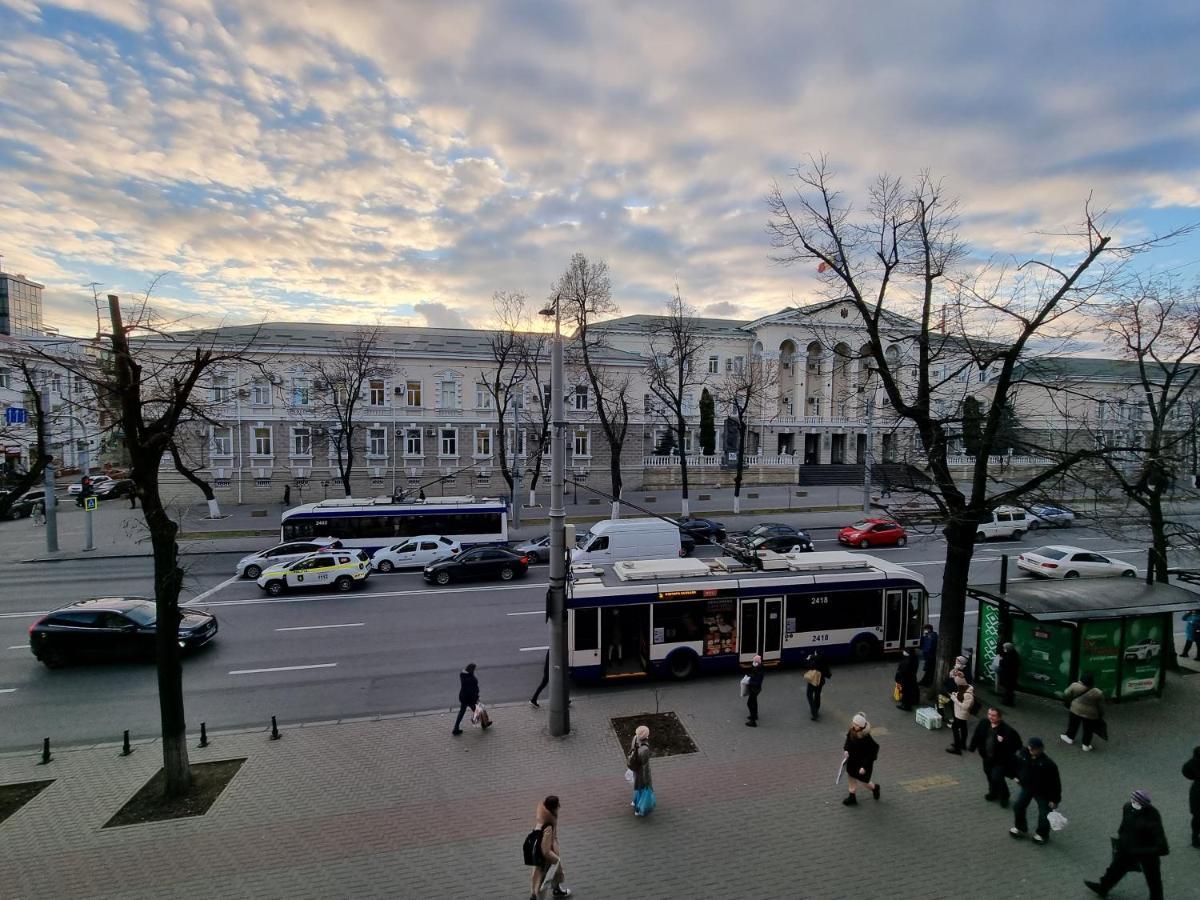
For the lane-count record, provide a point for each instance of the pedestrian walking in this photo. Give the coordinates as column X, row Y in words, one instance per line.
column 1085, row 705
column 1007, row 672
column 753, row 689
column 421, row 495
column 906, row 680
column 39, row 513
column 545, row 681
column 549, row 860
column 997, row 744
column 639, row 762
column 1191, row 633
column 858, row 756
column 287, row 495
column 468, row 696
column 1191, row 771
column 1140, row 842
column 1039, row 783
column 929, row 644
column 816, row 673
column 962, row 699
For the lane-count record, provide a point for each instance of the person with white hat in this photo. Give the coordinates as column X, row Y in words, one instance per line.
column 753, row 689
column 858, row 755
column 1141, row 841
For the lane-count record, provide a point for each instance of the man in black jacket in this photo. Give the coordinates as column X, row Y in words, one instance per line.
column 1007, row 673
column 468, row 695
column 1040, row 783
column 1141, row 841
column 997, row 743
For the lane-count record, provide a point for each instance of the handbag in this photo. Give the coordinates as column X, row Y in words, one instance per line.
column 745, row 686
column 813, row 677
column 896, row 692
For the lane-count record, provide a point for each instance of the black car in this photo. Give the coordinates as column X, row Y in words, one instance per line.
column 479, row 562
column 121, row 487
column 109, row 628
column 771, row 529
column 21, row 508
column 777, row 543
column 704, row 531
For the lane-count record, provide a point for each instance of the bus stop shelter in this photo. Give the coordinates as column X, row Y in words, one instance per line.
column 1114, row 628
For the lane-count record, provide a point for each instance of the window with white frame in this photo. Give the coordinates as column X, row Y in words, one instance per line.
column 376, row 442
column 517, row 397
column 964, row 374
column 647, row 404
column 714, row 365
column 547, row 445
column 449, row 445
column 583, row 443
column 483, row 396
column 80, row 384
column 301, row 392
column 412, row 442
column 412, row 392
column 222, row 440
column 581, row 397
column 221, row 389
column 448, row 394
column 739, row 363
column 301, row 441
column 376, row 392
column 483, row 442
column 262, row 441
column 5, row 378
column 687, row 442
column 56, row 383
column 546, row 394
column 983, row 373
column 260, row 393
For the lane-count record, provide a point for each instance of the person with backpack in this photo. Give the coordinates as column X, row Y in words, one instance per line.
column 541, row 850
column 639, row 763
column 816, row 673
column 962, row 698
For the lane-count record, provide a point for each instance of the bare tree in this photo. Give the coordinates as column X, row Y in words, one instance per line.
column 340, row 382
column 40, row 456
column 673, row 376
column 191, row 469
column 504, row 377
column 744, row 392
column 536, row 408
column 904, row 255
column 585, row 295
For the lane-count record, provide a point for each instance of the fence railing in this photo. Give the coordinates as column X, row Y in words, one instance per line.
column 714, row 461
column 964, row 460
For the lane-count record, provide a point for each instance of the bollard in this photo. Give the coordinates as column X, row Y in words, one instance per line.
column 203, row 734
column 274, row 730
column 45, row 751
column 126, row 749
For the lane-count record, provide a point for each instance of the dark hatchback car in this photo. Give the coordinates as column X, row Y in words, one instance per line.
column 771, row 530
column 704, row 531
column 111, row 628
column 110, row 490
column 479, row 562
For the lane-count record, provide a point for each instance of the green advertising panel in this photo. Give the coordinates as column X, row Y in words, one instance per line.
column 1045, row 651
column 989, row 639
column 1100, row 653
column 1142, row 655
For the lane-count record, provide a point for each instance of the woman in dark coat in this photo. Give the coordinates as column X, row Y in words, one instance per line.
column 1007, row 672
column 1191, row 771
column 859, row 754
column 906, row 677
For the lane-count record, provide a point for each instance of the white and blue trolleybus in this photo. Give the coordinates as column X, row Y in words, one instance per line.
column 676, row 617
column 372, row 523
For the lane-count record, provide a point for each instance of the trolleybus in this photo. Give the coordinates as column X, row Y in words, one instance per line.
column 676, row 617
column 373, row 523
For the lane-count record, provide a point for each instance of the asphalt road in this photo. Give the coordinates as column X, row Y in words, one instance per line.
column 393, row 646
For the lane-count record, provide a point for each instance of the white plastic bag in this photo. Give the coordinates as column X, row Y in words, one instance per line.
column 477, row 714
column 629, row 776
column 1057, row 820
column 745, row 687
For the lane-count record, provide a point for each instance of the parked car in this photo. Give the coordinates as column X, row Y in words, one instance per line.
column 703, row 531
column 252, row 566
column 97, row 480
column 1005, row 522
column 777, row 543
column 111, row 628
column 1051, row 515
column 537, row 549
column 339, row 568
column 476, row 563
column 873, row 533
column 415, row 552
column 116, row 487
column 767, row 529
column 1060, row 561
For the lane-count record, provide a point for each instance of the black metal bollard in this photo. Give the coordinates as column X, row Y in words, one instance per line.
column 203, row 735
column 274, row 729
column 45, row 751
column 125, row 748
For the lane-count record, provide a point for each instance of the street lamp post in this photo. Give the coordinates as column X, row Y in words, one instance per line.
column 560, row 717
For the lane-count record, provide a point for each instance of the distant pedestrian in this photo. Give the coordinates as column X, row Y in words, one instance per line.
column 545, row 681
column 550, row 864
column 906, row 679
column 1191, row 633
column 753, row 689
column 1040, row 783
column 816, row 674
column 1007, row 672
column 929, row 645
column 639, row 762
column 421, row 495
column 468, row 695
column 962, row 699
column 1140, row 841
column 39, row 513
column 287, row 495
column 859, row 753
column 997, row 744
column 1085, row 703
column 1191, row 771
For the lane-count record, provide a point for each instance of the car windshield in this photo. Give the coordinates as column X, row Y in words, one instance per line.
column 1049, row 553
column 143, row 613
column 861, row 526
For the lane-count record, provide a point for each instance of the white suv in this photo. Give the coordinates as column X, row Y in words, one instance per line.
column 1006, row 522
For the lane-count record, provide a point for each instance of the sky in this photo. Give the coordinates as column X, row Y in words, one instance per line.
column 400, row 162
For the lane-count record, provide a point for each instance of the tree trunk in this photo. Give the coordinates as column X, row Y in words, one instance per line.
column 680, row 425
column 614, row 468
column 960, row 547
column 1158, row 535
column 739, row 468
column 344, row 471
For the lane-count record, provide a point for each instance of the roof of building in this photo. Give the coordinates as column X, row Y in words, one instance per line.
column 1089, row 598
column 1086, row 367
column 641, row 323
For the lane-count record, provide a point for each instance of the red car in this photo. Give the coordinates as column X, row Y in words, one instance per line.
column 873, row 533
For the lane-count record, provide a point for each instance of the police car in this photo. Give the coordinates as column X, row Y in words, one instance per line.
column 340, row 569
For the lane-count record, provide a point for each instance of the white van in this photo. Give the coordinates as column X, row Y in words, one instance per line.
column 1006, row 522
column 614, row 540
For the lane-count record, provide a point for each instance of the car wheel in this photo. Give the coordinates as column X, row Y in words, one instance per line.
column 506, row 574
column 442, row 577
column 53, row 659
column 719, row 537
column 863, row 649
column 682, row 665
column 344, row 583
column 1129, row 573
column 252, row 572
column 534, row 559
column 1071, row 575
column 275, row 588
column 685, row 550
column 900, row 542
column 385, row 566
column 864, row 543
column 14, row 514
column 980, row 537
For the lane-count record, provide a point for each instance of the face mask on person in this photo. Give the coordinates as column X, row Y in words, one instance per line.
column 1136, row 805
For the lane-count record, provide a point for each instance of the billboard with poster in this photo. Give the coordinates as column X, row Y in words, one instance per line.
column 1045, row 651
column 1100, row 653
column 1141, row 666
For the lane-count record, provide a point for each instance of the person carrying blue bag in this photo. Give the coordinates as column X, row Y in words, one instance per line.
column 639, row 762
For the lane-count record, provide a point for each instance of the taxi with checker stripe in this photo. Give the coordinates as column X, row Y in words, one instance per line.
column 339, row 569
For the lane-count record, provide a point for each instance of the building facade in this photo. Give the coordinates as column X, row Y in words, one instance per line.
column 20, row 305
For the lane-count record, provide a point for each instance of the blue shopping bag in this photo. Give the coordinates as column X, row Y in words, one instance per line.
column 643, row 801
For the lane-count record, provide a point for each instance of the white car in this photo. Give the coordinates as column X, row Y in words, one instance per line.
column 415, row 552
column 340, row 569
column 97, row 480
column 1143, row 651
column 1059, row 561
column 253, row 565
column 1006, row 522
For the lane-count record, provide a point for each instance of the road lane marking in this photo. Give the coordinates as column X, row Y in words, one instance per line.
column 532, row 612
column 531, row 649
column 315, row 627
column 20, row 647
column 282, row 669
column 23, row 615
column 199, row 598
column 8, row 690
column 429, row 590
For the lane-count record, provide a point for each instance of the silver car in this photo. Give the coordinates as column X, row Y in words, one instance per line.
column 538, row 549
column 253, row 565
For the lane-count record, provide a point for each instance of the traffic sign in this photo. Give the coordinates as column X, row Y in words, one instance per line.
column 89, row 503
column 15, row 415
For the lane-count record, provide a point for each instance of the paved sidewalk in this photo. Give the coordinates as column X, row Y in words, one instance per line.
column 399, row 808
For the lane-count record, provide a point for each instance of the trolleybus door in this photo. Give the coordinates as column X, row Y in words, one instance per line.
column 760, row 628
column 903, row 617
